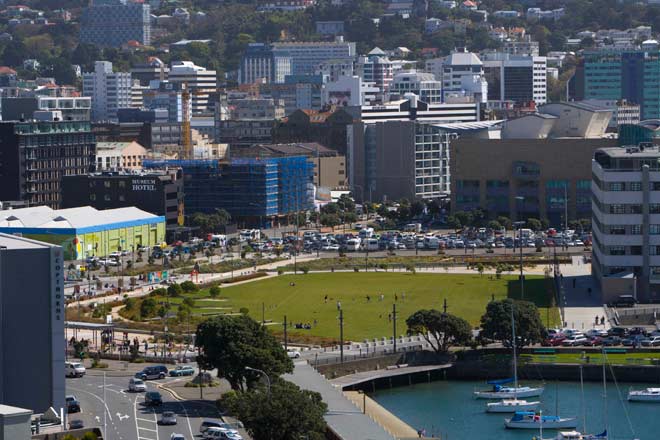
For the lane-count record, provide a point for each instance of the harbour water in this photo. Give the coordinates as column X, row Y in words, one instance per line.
column 448, row 410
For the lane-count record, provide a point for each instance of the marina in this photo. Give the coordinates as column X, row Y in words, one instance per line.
column 447, row 409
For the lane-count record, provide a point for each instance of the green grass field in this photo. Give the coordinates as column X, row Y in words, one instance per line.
column 629, row 358
column 467, row 296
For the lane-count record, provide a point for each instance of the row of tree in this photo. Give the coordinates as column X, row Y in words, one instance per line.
column 243, row 351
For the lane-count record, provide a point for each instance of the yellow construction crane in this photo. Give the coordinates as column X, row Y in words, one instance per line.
column 185, row 126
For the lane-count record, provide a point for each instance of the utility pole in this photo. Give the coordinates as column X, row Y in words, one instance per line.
column 394, row 325
column 263, row 314
column 341, row 336
column 522, row 279
column 444, row 306
column 286, row 341
column 105, row 412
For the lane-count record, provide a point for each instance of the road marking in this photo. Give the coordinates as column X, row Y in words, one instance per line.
column 146, row 420
column 147, row 429
column 98, row 398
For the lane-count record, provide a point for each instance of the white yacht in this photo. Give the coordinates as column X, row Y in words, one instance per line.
column 646, row 395
column 511, row 405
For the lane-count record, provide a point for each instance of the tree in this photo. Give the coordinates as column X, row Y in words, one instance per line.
column 231, row 343
column 188, row 301
column 417, row 207
column 330, row 220
column 174, row 290
column 148, row 308
column 505, row 222
column 494, row 225
column 441, row 330
column 214, row 291
column 288, row 412
column 534, row 224
column 496, row 322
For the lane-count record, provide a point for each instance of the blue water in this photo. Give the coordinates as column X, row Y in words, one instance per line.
column 447, row 409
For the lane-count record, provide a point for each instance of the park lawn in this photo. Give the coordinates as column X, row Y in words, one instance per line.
column 466, row 294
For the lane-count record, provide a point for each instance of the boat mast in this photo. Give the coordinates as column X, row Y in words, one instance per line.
column 604, row 390
column 515, row 359
column 584, row 410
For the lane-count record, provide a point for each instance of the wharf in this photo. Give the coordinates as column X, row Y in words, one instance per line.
column 353, row 380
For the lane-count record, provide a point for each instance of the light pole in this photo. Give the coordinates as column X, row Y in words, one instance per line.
column 263, row 373
column 520, row 224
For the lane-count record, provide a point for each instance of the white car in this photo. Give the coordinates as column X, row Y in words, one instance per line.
column 596, row 332
column 293, row 354
column 214, row 433
column 136, row 385
column 74, row 369
column 572, row 341
column 176, row 436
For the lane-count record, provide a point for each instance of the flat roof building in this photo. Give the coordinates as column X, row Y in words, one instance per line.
column 31, row 324
column 626, row 221
column 84, row 231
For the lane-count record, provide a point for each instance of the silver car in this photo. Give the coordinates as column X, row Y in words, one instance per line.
column 168, row 418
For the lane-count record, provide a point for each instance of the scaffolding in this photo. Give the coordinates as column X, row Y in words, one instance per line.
column 246, row 188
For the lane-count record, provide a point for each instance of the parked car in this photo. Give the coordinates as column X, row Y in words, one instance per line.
column 215, row 433
column 176, row 436
column 153, row 398
column 637, row 331
column 621, row 332
column 596, row 332
column 76, row 424
column 167, row 418
column 593, row 341
column 206, row 424
column 136, row 385
column 575, row 340
column 72, row 404
column 154, row 372
column 554, row 341
column 74, row 369
column 611, row 341
column 182, row 370
column 653, row 341
column 635, row 340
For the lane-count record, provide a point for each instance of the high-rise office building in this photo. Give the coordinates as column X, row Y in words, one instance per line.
column 307, row 56
column 376, row 68
column 112, row 23
column 32, row 304
column 168, row 96
column 109, row 91
column 259, row 63
column 626, row 221
column 35, row 156
column 200, row 81
column 624, row 74
column 153, row 69
column 517, row 79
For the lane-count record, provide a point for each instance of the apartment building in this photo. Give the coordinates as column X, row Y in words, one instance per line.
column 306, row 56
column 201, row 82
column 112, row 23
column 108, row 90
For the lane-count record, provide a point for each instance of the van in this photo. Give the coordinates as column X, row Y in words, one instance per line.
column 74, row 369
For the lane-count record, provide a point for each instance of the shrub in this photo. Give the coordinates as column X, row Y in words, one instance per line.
column 356, row 269
column 214, row 291
column 174, row 290
column 189, row 286
column 280, row 271
column 305, row 270
column 158, row 292
column 244, row 310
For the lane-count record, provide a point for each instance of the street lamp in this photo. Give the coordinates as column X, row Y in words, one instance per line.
column 263, row 373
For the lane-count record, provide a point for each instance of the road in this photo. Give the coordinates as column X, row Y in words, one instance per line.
column 126, row 415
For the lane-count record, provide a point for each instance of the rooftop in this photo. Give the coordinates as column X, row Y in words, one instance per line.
column 637, row 152
column 72, row 218
column 12, row 242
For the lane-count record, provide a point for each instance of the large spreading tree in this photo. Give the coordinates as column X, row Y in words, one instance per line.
column 232, row 343
column 283, row 413
column 441, row 330
column 496, row 323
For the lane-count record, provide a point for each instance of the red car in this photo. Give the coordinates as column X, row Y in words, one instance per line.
column 554, row 342
column 593, row 342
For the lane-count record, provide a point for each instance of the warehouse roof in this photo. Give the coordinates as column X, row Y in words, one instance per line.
column 72, row 218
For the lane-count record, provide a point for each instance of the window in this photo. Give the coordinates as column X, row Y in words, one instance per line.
column 107, row 197
column 635, row 250
column 635, row 209
column 122, row 184
column 654, row 208
column 92, row 197
column 618, row 230
column 106, row 183
column 636, row 229
column 617, row 209
column 122, row 198
column 617, row 250
column 654, row 229
column 635, row 186
column 616, row 186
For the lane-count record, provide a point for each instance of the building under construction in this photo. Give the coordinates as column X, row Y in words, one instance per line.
column 253, row 191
